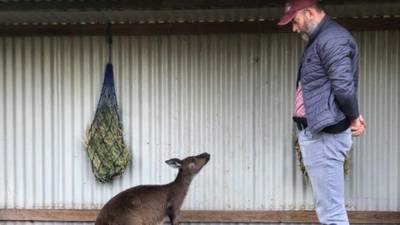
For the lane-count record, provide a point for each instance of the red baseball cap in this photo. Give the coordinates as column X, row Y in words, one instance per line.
column 292, row 7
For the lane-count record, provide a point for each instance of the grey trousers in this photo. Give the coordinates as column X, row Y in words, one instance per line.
column 323, row 156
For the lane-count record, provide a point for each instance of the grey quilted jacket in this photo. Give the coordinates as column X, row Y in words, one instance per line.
column 329, row 76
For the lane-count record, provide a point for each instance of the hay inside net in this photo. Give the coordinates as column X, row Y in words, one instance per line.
column 105, row 144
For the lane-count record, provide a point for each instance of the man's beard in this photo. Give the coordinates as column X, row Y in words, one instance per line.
column 304, row 36
column 309, row 27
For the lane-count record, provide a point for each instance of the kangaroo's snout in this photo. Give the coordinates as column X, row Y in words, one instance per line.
column 204, row 155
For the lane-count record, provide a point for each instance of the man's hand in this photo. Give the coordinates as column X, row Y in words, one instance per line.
column 358, row 126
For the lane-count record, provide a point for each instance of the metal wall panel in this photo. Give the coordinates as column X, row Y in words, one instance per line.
column 229, row 95
column 375, row 177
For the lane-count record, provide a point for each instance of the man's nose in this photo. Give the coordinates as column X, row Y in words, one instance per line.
column 294, row 28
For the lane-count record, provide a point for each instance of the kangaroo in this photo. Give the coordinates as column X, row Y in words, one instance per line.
column 151, row 204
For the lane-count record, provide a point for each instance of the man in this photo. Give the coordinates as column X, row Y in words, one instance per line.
column 326, row 106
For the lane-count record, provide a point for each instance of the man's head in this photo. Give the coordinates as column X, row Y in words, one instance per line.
column 305, row 16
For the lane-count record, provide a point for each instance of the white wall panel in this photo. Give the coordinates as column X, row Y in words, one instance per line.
column 229, row 95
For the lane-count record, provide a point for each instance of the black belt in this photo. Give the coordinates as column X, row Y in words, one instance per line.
column 301, row 126
column 337, row 128
column 301, row 123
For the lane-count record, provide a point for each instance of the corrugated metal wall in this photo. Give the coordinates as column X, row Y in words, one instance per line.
column 375, row 180
column 229, row 95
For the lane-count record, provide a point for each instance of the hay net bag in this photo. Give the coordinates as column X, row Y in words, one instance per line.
column 105, row 144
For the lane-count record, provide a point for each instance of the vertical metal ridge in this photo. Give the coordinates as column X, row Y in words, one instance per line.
column 3, row 155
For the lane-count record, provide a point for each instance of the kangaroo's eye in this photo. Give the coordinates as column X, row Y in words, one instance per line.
column 193, row 159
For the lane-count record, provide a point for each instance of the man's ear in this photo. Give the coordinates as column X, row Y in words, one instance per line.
column 310, row 13
column 174, row 163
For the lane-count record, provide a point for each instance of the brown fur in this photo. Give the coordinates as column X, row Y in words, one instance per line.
column 151, row 204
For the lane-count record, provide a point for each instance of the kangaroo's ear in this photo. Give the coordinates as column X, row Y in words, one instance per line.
column 174, row 163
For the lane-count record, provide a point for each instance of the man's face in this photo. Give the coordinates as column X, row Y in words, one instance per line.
column 303, row 23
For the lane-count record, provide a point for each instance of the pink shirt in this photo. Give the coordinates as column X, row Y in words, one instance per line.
column 299, row 110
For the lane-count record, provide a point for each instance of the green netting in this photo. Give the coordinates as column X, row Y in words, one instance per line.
column 105, row 145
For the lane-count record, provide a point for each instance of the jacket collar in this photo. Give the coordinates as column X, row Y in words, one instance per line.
column 321, row 26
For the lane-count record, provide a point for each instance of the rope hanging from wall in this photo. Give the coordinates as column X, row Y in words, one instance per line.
column 105, row 144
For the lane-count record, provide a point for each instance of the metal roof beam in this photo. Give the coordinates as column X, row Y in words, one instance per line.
column 104, row 5
column 353, row 24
